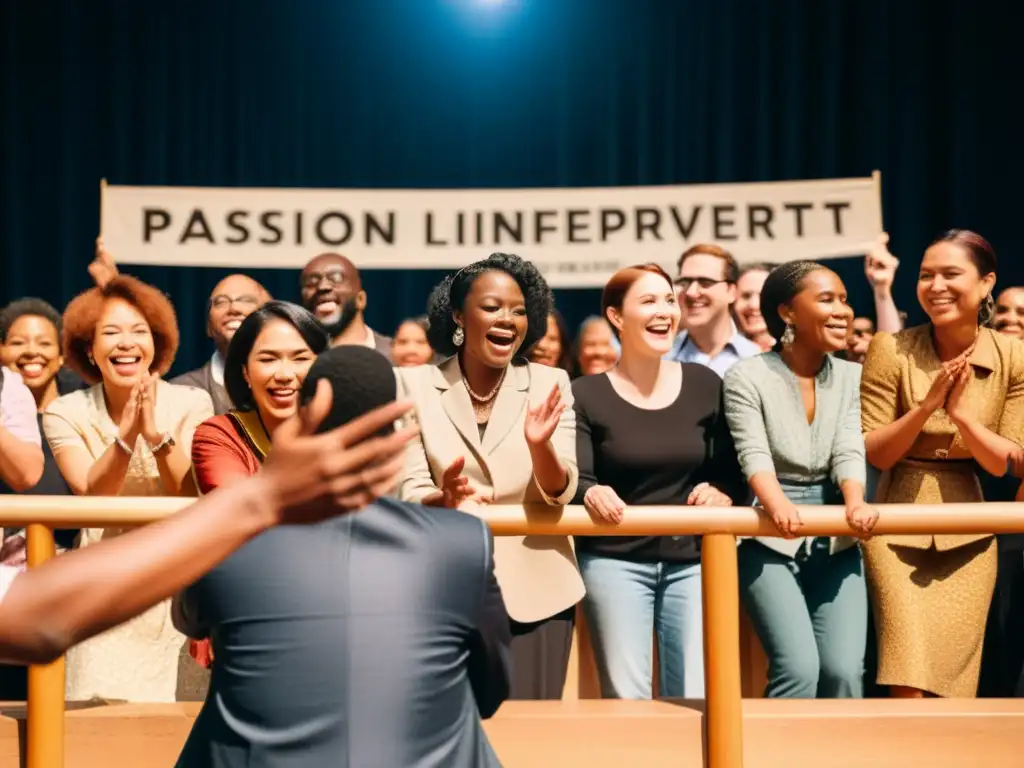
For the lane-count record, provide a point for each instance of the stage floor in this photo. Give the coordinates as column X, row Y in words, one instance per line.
column 879, row 733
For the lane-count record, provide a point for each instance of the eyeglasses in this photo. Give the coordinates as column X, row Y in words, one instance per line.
column 224, row 302
column 312, row 280
column 705, row 283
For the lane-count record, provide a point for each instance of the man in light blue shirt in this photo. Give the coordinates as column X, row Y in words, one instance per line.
column 706, row 287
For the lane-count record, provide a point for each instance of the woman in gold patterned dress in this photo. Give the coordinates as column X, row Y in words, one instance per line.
column 935, row 399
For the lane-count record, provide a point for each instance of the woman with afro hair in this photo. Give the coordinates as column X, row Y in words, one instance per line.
column 128, row 434
column 497, row 429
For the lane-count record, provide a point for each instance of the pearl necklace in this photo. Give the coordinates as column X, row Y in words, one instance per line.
column 482, row 403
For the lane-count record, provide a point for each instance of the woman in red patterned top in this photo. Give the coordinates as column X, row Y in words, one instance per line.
column 266, row 363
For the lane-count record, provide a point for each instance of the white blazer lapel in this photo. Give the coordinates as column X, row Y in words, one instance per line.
column 456, row 403
column 508, row 406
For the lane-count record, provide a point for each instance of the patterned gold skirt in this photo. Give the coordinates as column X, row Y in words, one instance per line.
column 931, row 595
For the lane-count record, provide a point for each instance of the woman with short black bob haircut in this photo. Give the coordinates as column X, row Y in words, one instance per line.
column 267, row 361
column 255, row 331
column 495, row 428
column 794, row 413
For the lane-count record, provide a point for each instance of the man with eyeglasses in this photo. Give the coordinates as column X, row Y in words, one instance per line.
column 333, row 291
column 233, row 299
column 706, row 287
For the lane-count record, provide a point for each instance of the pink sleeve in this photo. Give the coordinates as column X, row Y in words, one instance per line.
column 18, row 409
column 7, row 575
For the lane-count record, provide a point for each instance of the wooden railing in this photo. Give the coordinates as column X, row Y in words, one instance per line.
column 723, row 720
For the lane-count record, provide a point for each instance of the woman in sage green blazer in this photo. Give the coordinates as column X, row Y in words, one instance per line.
column 794, row 413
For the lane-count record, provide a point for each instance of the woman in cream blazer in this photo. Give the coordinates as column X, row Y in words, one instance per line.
column 495, row 429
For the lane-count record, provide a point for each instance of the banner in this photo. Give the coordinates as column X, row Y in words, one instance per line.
column 577, row 237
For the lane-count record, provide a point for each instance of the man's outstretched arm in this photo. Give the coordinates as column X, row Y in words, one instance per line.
column 306, row 478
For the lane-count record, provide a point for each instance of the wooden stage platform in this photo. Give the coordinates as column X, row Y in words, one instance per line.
column 880, row 733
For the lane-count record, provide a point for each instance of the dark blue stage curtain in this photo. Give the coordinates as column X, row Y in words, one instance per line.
column 466, row 93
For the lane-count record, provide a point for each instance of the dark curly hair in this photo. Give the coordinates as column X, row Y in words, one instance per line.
column 450, row 294
column 782, row 284
column 24, row 307
column 83, row 312
column 301, row 319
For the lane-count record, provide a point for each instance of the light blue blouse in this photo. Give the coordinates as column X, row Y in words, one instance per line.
column 768, row 422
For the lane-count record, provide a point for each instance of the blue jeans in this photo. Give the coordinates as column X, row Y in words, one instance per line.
column 810, row 612
column 626, row 604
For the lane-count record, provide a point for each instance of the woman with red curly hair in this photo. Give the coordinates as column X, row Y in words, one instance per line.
column 129, row 434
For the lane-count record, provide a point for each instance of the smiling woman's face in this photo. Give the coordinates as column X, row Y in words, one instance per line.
column 649, row 316
column 597, row 352
column 122, row 344
column 410, row 346
column 819, row 313
column 548, row 351
column 748, row 303
column 277, row 365
column 1009, row 319
column 493, row 319
column 32, row 349
column 949, row 286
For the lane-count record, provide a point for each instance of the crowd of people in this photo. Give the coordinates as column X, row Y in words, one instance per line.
column 719, row 385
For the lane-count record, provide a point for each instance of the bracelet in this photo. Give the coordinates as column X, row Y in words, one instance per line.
column 165, row 441
column 124, row 446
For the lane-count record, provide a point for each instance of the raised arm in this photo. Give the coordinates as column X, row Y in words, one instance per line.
column 84, row 592
column 307, row 477
column 880, row 269
column 550, row 430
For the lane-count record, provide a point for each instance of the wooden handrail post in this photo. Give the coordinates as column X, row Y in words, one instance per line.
column 45, row 727
column 723, row 709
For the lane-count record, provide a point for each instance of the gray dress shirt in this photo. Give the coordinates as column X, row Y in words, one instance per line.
column 768, row 421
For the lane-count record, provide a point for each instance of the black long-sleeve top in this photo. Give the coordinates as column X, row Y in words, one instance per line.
column 654, row 456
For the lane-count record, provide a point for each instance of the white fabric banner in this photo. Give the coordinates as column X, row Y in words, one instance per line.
column 577, row 237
